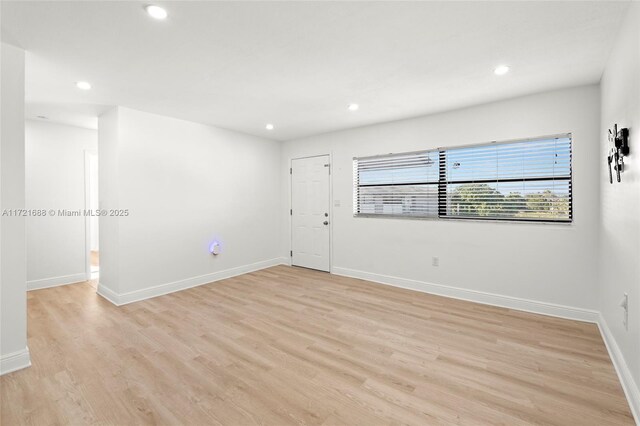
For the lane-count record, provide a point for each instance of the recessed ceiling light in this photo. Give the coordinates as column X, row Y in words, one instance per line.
column 269, row 126
column 156, row 12
column 501, row 70
column 83, row 85
column 353, row 107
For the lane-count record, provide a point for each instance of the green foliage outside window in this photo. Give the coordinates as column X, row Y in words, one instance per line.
column 480, row 199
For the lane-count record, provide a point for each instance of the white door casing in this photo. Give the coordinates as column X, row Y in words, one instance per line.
column 310, row 202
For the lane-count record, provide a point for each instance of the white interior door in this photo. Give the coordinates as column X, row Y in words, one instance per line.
column 310, row 212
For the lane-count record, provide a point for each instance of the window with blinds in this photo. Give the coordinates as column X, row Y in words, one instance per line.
column 397, row 185
column 526, row 180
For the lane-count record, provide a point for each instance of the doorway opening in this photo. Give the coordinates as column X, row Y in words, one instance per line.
column 92, row 219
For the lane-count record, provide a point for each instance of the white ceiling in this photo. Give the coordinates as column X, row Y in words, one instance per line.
column 240, row 65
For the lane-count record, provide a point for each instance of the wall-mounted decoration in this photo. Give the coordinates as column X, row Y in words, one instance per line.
column 619, row 150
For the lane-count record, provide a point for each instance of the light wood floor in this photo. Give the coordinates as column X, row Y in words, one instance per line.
column 292, row 346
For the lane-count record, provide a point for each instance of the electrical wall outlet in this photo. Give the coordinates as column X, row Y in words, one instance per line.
column 435, row 261
column 624, row 304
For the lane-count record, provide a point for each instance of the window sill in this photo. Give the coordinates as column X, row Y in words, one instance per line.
column 474, row 220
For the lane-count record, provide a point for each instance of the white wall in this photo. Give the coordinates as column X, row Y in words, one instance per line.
column 554, row 264
column 55, row 180
column 14, row 353
column 184, row 184
column 108, row 185
column 620, row 202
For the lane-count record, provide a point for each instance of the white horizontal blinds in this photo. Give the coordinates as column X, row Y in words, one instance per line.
column 528, row 180
column 397, row 184
column 524, row 180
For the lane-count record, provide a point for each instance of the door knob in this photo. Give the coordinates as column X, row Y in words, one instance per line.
column 326, row 222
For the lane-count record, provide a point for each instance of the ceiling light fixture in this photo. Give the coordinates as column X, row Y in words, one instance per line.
column 501, row 70
column 353, row 107
column 83, row 85
column 269, row 126
column 156, row 12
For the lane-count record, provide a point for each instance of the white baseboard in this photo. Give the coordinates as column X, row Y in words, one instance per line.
column 15, row 361
column 629, row 385
column 510, row 302
column 109, row 294
column 162, row 289
column 56, row 281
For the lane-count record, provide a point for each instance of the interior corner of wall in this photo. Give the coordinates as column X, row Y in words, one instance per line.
column 109, row 294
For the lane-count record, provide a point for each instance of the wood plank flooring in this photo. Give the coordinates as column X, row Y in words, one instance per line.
column 292, row 346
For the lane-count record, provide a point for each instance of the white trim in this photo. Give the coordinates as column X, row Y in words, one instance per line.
column 510, row 302
column 15, row 361
column 56, row 281
column 162, row 289
column 109, row 294
column 629, row 385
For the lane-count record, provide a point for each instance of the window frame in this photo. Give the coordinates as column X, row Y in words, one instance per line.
column 442, row 185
